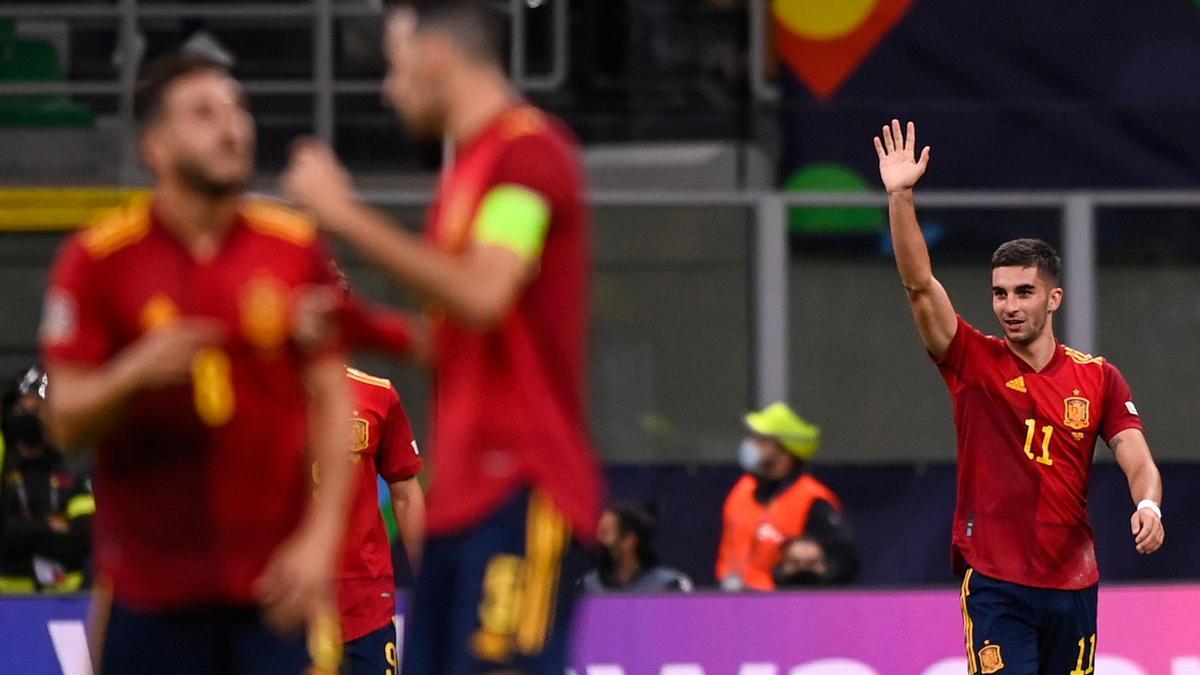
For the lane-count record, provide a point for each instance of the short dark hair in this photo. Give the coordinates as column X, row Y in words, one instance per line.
column 160, row 73
column 638, row 521
column 474, row 24
column 1029, row 253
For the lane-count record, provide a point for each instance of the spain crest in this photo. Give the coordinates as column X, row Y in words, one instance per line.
column 990, row 660
column 360, row 434
column 265, row 312
column 1077, row 411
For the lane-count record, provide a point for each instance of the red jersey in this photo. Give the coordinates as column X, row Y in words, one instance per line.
column 1025, row 446
column 382, row 444
column 509, row 409
column 196, row 484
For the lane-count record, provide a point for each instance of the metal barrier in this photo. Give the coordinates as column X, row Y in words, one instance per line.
column 323, row 86
column 770, row 249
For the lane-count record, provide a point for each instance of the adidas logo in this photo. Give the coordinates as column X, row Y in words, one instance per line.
column 1017, row 385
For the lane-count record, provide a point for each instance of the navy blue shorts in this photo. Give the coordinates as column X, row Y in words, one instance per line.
column 499, row 595
column 1020, row 630
column 200, row 641
column 371, row 654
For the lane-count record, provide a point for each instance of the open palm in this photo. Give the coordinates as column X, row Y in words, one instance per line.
column 898, row 166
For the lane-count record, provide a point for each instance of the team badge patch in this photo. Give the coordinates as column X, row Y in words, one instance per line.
column 60, row 317
column 990, row 660
column 1077, row 411
column 158, row 311
column 264, row 310
column 360, row 434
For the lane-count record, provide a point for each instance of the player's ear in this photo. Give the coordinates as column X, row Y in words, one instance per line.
column 1056, row 297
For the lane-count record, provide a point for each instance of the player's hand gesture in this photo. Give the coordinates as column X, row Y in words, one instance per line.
column 297, row 582
column 316, row 179
column 314, row 318
column 898, row 165
column 1148, row 531
column 163, row 356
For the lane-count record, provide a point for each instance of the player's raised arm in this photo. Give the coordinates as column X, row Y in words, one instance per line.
column 900, row 170
column 476, row 288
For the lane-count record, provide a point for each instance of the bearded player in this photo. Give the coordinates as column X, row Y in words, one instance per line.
column 1028, row 411
column 166, row 336
column 506, row 266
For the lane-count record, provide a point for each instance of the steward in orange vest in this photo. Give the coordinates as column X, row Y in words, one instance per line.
column 777, row 502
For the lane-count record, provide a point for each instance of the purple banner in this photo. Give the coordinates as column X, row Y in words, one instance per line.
column 1147, row 630
column 1142, row 631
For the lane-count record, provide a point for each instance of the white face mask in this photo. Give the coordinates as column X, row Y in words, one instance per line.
column 749, row 456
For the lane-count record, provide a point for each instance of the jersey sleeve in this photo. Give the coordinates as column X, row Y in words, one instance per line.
column 1119, row 412
column 399, row 458
column 374, row 328
column 958, row 363
column 516, row 211
column 322, row 272
column 74, row 327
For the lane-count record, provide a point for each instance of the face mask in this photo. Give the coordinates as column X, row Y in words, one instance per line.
column 749, row 456
column 804, row 578
column 26, row 429
column 604, row 560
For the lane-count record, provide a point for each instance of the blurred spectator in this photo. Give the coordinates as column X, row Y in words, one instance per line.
column 627, row 559
column 804, row 563
column 47, row 509
column 777, row 501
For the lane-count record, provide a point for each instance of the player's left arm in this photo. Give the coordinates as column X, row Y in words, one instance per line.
column 295, row 586
column 477, row 287
column 1145, row 488
column 408, row 506
column 399, row 462
column 1122, row 426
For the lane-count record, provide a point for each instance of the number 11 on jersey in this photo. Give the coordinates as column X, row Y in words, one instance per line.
column 1047, row 432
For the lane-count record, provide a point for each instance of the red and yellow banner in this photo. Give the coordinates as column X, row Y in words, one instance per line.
column 824, row 41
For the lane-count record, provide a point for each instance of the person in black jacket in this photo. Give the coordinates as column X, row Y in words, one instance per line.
column 626, row 557
column 45, row 535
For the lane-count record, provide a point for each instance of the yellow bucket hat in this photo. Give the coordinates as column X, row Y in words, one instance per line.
column 779, row 422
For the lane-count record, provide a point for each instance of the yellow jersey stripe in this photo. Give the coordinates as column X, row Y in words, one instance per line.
column 545, row 541
column 968, row 625
column 117, row 229
column 278, row 221
column 360, row 376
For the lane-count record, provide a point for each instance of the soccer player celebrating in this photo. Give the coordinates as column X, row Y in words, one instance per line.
column 167, row 339
column 1028, row 411
column 381, row 443
column 506, row 265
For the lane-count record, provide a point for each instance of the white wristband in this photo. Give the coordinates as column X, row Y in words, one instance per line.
column 1149, row 504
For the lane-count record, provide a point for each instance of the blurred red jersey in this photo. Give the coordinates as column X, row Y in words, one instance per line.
column 382, row 444
column 509, row 410
column 196, row 485
column 1025, row 446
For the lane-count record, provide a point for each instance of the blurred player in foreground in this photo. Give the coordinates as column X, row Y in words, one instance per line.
column 381, row 444
column 1028, row 411
column 167, row 339
column 506, row 266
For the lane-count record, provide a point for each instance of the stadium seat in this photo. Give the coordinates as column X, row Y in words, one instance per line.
column 35, row 60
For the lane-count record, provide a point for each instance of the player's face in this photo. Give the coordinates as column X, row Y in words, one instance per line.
column 608, row 532
column 1023, row 301
column 205, row 136
column 413, row 85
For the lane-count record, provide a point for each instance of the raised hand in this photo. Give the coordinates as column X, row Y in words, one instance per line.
column 898, row 165
column 316, row 179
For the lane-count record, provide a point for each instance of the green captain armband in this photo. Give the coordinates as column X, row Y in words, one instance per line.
column 513, row 217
